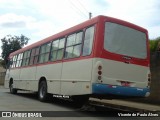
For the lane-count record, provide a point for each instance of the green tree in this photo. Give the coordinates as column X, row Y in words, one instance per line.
column 10, row 44
column 153, row 43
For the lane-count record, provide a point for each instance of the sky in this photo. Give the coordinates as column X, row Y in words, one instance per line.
column 38, row 19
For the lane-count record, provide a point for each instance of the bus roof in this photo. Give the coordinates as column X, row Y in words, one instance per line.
column 76, row 28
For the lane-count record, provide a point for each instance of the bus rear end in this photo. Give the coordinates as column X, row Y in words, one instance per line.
column 121, row 63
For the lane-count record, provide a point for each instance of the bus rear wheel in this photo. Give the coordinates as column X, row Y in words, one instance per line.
column 42, row 92
column 12, row 90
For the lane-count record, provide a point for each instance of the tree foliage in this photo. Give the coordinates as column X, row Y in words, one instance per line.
column 12, row 43
column 153, row 43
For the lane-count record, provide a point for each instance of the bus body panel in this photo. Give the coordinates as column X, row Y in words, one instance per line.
column 76, row 77
column 7, row 79
column 117, row 69
column 76, row 88
column 28, row 73
column 52, row 73
column 31, row 85
column 27, row 78
column 12, row 74
column 115, row 72
column 15, row 74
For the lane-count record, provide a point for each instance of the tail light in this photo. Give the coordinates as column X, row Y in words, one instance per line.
column 149, row 80
column 100, row 73
column 99, row 67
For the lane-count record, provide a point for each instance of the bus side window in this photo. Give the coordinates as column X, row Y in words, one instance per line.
column 19, row 60
column 14, row 61
column 57, row 49
column 88, row 41
column 32, row 56
column 55, row 46
column 44, row 53
column 36, row 55
column 73, row 46
column 11, row 65
column 60, row 50
column 26, row 57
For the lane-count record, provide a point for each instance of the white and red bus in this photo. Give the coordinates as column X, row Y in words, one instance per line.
column 102, row 56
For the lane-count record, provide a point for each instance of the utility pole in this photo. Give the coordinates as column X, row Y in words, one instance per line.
column 90, row 15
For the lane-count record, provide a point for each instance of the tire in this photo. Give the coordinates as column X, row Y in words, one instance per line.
column 12, row 90
column 42, row 92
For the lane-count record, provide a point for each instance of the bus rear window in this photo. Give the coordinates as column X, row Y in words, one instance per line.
column 123, row 40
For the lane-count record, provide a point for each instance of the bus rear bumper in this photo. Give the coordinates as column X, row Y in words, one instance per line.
column 105, row 89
